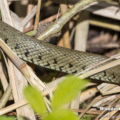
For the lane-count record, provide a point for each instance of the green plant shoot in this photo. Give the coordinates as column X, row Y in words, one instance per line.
column 61, row 114
column 67, row 90
column 35, row 99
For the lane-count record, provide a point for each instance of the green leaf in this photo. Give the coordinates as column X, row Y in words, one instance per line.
column 35, row 99
column 61, row 114
column 67, row 90
column 6, row 118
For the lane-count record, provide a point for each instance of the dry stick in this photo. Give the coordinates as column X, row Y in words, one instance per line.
column 104, row 46
column 3, row 78
column 18, row 83
column 87, row 94
column 97, row 112
column 57, row 25
column 72, row 34
column 13, row 107
column 38, row 14
column 105, row 24
column 106, row 89
column 6, row 10
column 5, row 97
column 65, row 39
column 30, row 8
column 82, row 28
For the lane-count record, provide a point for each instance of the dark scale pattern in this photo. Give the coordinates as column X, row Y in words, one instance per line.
column 54, row 57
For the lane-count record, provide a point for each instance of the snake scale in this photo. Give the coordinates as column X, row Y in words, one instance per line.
column 54, row 57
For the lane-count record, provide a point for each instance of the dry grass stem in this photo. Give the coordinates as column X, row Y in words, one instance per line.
column 3, row 78
column 5, row 97
column 37, row 14
column 13, row 107
column 65, row 39
column 97, row 112
column 104, row 24
column 29, row 16
column 106, row 89
column 87, row 94
column 82, row 28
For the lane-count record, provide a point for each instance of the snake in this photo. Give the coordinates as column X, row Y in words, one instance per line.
column 54, row 57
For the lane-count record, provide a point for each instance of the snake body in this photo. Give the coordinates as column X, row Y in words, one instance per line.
column 54, row 57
